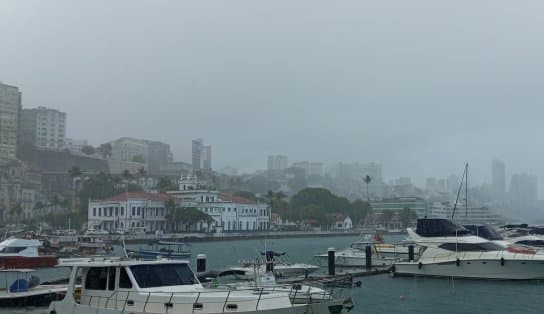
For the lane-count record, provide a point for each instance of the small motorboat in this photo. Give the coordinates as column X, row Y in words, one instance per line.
column 23, row 253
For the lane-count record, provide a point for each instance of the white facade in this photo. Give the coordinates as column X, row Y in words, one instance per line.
column 345, row 224
column 10, row 109
column 229, row 213
column 471, row 215
column 75, row 146
column 124, row 213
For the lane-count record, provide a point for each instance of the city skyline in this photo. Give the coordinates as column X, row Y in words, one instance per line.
column 254, row 91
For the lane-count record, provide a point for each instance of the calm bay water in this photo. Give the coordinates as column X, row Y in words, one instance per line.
column 382, row 294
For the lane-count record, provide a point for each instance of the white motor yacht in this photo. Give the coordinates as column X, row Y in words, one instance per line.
column 115, row 286
column 450, row 250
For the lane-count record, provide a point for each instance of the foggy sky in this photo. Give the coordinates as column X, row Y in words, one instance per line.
column 419, row 86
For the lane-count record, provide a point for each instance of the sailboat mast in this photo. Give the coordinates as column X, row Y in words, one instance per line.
column 466, row 190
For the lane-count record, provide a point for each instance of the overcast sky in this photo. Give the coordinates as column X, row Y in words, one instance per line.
column 419, row 86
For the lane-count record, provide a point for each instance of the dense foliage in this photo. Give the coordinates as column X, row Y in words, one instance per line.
column 316, row 204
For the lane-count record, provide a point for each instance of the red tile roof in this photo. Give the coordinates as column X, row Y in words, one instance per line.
column 138, row 195
column 236, row 199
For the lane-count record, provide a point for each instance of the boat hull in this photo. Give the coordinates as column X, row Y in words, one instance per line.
column 13, row 262
column 325, row 307
column 474, row 269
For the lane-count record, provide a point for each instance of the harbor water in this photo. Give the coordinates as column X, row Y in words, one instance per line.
column 382, row 293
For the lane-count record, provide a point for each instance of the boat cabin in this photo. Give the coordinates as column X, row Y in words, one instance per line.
column 159, row 286
column 20, row 247
column 116, row 283
column 439, row 227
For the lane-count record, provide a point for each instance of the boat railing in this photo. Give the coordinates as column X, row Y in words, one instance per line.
column 161, row 302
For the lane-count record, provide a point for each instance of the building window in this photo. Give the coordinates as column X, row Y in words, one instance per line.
column 138, row 211
column 133, row 211
column 94, row 212
column 116, row 211
column 122, row 211
column 99, row 211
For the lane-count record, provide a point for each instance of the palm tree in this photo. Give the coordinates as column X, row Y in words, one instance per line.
column 367, row 180
column 75, row 173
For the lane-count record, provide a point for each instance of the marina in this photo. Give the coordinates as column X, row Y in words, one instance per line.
column 380, row 292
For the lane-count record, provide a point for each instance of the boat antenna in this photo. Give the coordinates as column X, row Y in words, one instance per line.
column 459, row 191
column 466, row 190
column 123, row 246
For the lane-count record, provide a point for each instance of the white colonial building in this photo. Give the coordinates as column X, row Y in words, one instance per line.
column 127, row 211
column 230, row 213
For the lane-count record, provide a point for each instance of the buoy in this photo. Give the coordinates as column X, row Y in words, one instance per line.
column 402, row 298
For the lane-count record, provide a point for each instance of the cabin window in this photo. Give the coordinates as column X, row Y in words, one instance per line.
column 111, row 278
column 160, row 275
column 12, row 249
column 538, row 243
column 124, row 280
column 97, row 278
column 471, row 247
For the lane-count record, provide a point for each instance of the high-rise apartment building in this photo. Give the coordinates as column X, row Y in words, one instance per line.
column 10, row 113
column 277, row 162
column 207, row 157
column 310, row 168
column 197, row 145
column 154, row 153
column 498, row 179
column 44, row 128
column 524, row 189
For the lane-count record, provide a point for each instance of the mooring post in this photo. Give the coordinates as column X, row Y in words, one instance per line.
column 201, row 263
column 368, row 256
column 332, row 270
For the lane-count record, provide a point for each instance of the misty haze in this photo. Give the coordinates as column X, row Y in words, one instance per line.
column 258, row 119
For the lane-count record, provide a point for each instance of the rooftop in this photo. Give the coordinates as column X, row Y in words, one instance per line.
column 137, row 195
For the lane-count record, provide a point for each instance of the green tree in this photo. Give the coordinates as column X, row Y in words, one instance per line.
column 360, row 211
column 165, row 185
column 88, row 150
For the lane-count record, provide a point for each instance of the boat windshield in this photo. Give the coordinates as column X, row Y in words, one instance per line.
column 161, row 275
column 471, row 247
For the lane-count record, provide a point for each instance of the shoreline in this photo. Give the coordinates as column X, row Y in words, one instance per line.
column 233, row 236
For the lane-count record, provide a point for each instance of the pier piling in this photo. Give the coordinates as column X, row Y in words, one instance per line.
column 201, row 263
column 368, row 256
column 332, row 268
